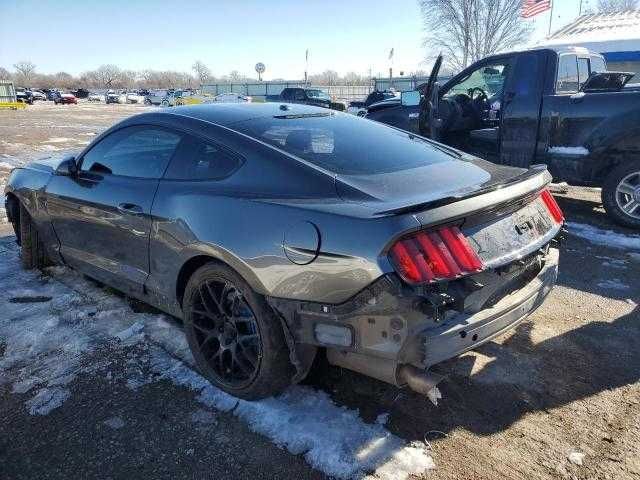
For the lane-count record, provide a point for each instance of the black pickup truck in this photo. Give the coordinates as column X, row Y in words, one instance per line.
column 557, row 107
column 306, row 96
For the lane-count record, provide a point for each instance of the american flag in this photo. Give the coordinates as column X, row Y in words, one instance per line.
column 531, row 8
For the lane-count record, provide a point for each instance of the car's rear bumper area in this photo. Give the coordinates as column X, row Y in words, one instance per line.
column 466, row 332
column 389, row 325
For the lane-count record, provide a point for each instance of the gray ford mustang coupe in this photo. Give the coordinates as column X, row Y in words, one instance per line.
column 280, row 232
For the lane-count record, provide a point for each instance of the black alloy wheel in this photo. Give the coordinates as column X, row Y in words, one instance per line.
column 236, row 338
column 227, row 332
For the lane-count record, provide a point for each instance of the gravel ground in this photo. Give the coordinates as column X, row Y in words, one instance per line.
column 556, row 398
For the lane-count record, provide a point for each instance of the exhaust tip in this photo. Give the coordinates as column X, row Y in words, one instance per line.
column 421, row 381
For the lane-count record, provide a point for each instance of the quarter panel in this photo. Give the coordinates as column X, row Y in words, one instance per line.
column 248, row 235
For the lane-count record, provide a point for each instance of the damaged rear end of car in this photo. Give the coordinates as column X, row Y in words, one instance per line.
column 475, row 264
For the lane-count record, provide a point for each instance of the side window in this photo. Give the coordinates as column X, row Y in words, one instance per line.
column 140, row 151
column 299, row 94
column 567, row 74
column 597, row 64
column 196, row 159
column 287, row 94
column 583, row 70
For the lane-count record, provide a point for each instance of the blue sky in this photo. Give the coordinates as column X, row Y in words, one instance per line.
column 347, row 35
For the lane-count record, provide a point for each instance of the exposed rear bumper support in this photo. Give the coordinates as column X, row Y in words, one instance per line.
column 397, row 335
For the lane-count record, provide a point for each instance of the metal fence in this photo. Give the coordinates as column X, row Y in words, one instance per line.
column 259, row 90
column 339, row 93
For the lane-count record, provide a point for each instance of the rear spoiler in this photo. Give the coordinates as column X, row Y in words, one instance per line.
column 452, row 208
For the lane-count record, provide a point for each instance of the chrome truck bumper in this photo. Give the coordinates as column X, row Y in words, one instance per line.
column 394, row 334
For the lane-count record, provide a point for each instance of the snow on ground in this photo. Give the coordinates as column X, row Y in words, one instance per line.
column 577, row 151
column 608, row 238
column 53, row 322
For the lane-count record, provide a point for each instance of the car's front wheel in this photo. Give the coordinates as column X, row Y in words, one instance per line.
column 235, row 337
column 621, row 194
column 32, row 254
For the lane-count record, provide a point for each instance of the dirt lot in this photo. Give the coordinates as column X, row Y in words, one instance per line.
column 559, row 397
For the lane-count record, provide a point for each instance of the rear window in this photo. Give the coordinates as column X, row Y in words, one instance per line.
column 344, row 144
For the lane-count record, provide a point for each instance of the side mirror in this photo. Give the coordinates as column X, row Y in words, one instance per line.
column 67, row 167
column 410, row 99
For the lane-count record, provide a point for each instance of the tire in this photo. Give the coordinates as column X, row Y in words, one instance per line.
column 242, row 351
column 32, row 254
column 623, row 178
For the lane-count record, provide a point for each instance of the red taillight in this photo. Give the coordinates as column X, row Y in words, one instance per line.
column 552, row 206
column 442, row 254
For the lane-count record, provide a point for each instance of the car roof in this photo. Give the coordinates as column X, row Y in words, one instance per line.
column 229, row 113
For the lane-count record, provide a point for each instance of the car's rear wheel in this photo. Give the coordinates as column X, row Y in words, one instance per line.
column 235, row 337
column 32, row 254
column 621, row 194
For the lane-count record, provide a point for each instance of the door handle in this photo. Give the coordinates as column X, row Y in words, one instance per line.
column 130, row 209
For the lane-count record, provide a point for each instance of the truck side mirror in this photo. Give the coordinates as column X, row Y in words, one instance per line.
column 410, row 99
column 68, row 167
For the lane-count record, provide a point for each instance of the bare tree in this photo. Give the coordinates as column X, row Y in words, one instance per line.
column 107, row 76
column 352, row 78
column 611, row 6
column 63, row 80
column 4, row 74
column 25, row 72
column 202, row 71
column 328, row 77
column 467, row 30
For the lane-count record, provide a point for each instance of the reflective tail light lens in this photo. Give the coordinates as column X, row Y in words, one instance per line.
column 552, row 206
column 443, row 254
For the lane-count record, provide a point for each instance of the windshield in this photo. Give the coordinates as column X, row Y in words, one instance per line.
column 318, row 94
column 490, row 79
column 344, row 144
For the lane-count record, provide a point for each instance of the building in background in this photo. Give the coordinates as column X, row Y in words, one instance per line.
column 615, row 35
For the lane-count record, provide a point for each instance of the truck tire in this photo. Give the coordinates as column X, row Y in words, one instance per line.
column 236, row 339
column 621, row 194
column 32, row 250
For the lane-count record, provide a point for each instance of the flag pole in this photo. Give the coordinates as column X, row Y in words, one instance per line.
column 550, row 18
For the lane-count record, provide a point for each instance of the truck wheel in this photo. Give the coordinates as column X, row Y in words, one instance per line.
column 235, row 337
column 32, row 254
column 621, row 194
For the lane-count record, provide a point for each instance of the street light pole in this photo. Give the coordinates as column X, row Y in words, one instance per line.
column 551, row 17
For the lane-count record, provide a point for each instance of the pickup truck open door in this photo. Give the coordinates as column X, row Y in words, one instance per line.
column 520, row 110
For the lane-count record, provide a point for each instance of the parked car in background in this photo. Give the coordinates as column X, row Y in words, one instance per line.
column 96, row 97
column 360, row 107
column 80, row 93
column 112, row 97
column 52, row 94
column 38, row 95
column 231, row 98
column 23, row 95
column 305, row 96
column 365, row 258
column 155, row 97
column 558, row 107
column 65, row 99
column 134, row 97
